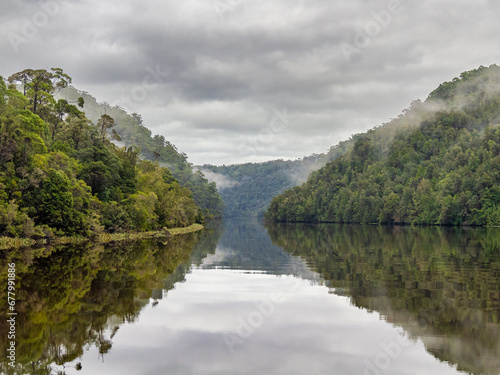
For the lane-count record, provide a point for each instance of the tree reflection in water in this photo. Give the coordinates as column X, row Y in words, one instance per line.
column 441, row 285
column 69, row 298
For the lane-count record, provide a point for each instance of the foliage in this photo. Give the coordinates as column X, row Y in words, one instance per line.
column 130, row 131
column 40, row 84
column 61, row 175
column 438, row 163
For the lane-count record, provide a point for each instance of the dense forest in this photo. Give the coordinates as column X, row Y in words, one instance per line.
column 61, row 174
column 133, row 132
column 437, row 163
column 248, row 189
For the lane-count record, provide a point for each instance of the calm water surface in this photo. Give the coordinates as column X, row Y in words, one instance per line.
column 245, row 299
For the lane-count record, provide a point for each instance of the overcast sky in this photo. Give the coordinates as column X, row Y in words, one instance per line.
column 231, row 81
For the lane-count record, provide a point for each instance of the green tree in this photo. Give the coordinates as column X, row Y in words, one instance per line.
column 105, row 122
column 425, row 167
column 55, row 201
column 38, row 85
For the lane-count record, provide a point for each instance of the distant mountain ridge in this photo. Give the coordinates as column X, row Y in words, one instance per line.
column 247, row 189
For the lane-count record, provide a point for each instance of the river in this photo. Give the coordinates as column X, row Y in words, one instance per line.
column 244, row 298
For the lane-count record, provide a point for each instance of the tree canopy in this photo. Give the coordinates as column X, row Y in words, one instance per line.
column 129, row 130
column 60, row 174
column 437, row 163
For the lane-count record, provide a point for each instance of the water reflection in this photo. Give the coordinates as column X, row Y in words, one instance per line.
column 246, row 245
column 244, row 299
column 440, row 285
column 68, row 298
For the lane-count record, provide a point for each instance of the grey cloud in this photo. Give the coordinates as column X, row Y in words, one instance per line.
column 230, row 72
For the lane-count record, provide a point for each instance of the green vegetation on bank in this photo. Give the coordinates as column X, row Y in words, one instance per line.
column 437, row 163
column 10, row 243
column 60, row 174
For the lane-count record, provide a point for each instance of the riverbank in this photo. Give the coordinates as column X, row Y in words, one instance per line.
column 9, row 243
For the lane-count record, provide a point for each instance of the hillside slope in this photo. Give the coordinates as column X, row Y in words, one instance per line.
column 133, row 132
column 438, row 163
column 61, row 175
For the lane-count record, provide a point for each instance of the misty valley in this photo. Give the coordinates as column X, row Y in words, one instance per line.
column 119, row 256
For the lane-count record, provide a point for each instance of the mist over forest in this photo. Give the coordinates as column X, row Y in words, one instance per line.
column 436, row 164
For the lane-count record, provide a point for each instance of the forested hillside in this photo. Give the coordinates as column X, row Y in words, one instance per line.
column 247, row 189
column 438, row 163
column 133, row 132
column 61, row 175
